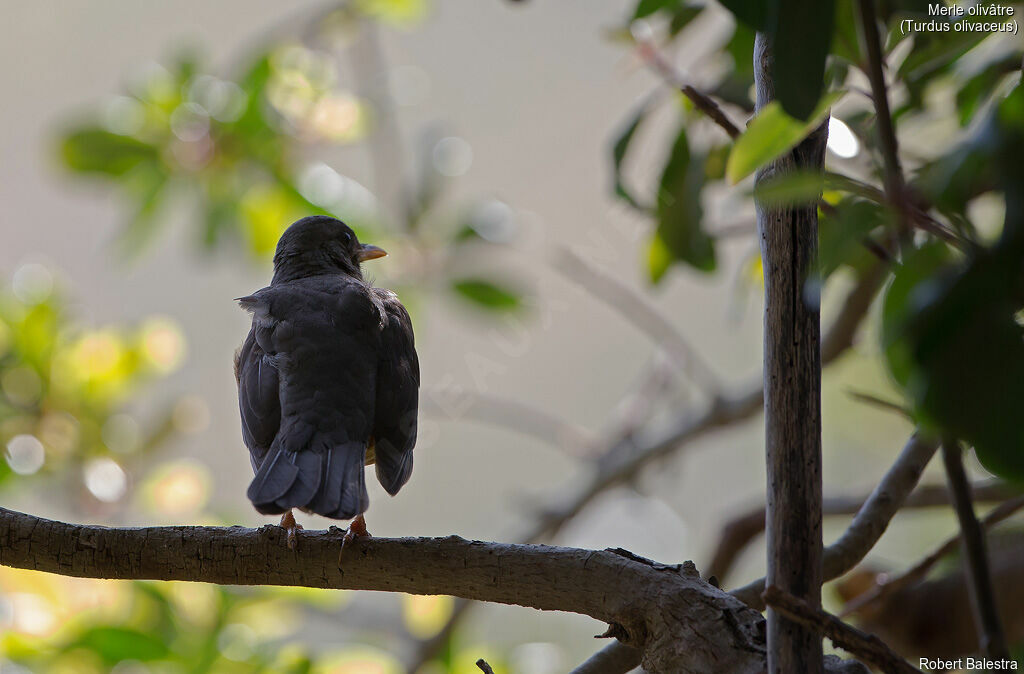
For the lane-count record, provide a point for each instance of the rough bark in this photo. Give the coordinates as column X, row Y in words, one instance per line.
column 679, row 622
column 792, row 386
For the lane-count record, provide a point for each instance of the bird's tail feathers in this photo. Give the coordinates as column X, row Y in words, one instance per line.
column 328, row 480
column 393, row 466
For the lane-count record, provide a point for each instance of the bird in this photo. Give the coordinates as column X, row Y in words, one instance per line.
column 328, row 380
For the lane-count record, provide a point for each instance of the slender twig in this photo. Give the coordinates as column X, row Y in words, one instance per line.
column 870, row 522
column 484, row 667
column 986, row 614
column 737, row 534
column 642, row 314
column 881, row 403
column 650, row 54
column 866, row 647
column 894, row 184
column 888, row 585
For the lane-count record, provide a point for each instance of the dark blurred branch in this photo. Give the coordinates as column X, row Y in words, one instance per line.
column 867, row 647
column 677, row 620
column 887, row 586
column 741, row 530
column 986, row 614
column 894, row 184
column 641, row 314
column 870, row 522
column 484, row 667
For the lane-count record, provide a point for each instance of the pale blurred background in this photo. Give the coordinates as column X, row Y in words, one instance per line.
column 534, row 93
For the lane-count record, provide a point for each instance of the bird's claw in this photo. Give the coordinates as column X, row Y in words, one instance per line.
column 356, row 529
column 292, row 528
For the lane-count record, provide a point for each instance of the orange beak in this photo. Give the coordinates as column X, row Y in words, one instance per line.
column 370, row 252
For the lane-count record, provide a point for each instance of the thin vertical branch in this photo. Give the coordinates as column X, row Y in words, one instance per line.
column 792, row 395
column 894, row 186
column 986, row 615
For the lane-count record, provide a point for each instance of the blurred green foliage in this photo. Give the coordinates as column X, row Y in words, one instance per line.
column 64, row 387
column 241, row 150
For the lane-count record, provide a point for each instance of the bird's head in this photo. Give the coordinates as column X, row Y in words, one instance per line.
column 321, row 245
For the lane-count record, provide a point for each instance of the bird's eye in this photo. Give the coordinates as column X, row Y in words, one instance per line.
column 347, row 237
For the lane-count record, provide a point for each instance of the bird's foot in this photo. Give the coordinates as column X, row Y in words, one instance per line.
column 356, row 529
column 292, row 528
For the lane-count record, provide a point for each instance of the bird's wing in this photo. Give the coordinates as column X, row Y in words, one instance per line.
column 398, row 382
column 322, row 335
column 258, row 400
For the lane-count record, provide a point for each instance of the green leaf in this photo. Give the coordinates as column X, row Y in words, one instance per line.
column 645, row 8
column 682, row 17
column 968, row 355
column 679, row 209
column 841, row 234
column 659, row 259
column 797, row 188
column 114, row 644
column 769, row 135
column 619, row 150
column 487, row 294
column 801, row 41
column 94, row 150
column 754, row 13
column 845, row 42
column 912, row 284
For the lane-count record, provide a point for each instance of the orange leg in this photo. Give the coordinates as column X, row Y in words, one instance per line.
column 291, row 527
column 356, row 529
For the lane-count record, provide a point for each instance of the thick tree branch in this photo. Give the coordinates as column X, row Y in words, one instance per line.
column 986, row 614
column 678, row 621
column 792, row 391
column 870, row 522
column 867, row 647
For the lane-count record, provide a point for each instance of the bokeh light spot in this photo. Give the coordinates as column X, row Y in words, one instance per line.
column 123, row 115
column 178, row 488
column 452, row 156
column 105, row 479
column 424, row 616
column 59, row 432
column 163, row 344
column 31, row 614
column 494, row 221
column 841, row 141
column 25, row 454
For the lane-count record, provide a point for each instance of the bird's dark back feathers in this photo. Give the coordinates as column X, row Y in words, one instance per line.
column 328, row 368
